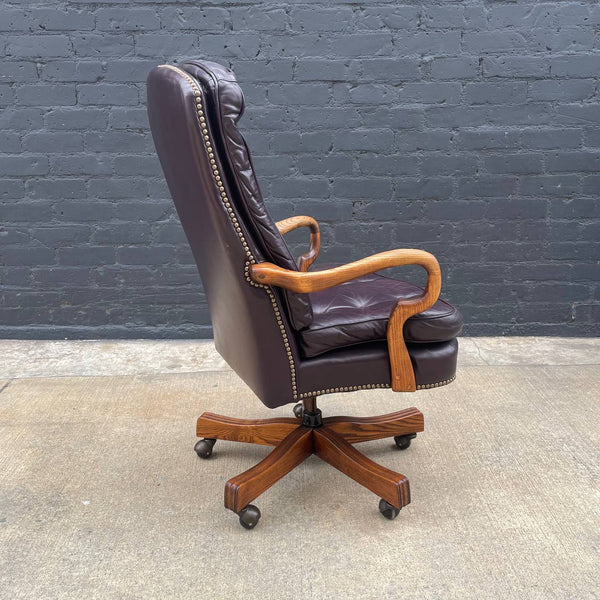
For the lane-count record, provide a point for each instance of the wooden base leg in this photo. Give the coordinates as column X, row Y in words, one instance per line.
column 333, row 449
column 267, row 432
column 287, row 455
column 364, row 429
column 331, row 439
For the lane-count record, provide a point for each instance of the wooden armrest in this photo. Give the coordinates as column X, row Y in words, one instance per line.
column 287, row 225
column 402, row 373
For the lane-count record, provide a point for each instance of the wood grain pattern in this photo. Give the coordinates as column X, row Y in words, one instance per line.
column 267, row 432
column 242, row 489
column 295, row 442
column 389, row 485
column 287, row 225
column 364, row 429
column 295, row 281
column 402, row 373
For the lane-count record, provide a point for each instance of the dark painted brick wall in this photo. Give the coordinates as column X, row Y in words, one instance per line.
column 471, row 129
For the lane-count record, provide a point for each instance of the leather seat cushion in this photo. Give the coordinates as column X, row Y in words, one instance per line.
column 358, row 311
column 369, row 364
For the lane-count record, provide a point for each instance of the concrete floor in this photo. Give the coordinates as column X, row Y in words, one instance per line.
column 102, row 496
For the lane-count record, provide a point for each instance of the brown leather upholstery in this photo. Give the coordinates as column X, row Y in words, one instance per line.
column 193, row 112
column 358, row 311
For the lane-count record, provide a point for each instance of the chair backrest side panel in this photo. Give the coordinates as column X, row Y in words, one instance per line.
column 246, row 330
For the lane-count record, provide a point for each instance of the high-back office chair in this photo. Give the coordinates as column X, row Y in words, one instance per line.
column 290, row 333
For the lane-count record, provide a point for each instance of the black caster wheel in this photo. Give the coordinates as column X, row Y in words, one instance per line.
column 403, row 441
column 204, row 447
column 298, row 410
column 249, row 516
column 387, row 510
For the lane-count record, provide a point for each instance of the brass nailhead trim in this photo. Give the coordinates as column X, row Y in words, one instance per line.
column 232, row 217
column 426, row 386
column 371, row 386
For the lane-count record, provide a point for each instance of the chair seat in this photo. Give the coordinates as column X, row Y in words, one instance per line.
column 358, row 311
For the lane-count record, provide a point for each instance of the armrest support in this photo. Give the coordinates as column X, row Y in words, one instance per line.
column 403, row 378
column 287, row 225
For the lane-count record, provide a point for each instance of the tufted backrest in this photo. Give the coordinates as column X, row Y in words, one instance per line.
column 225, row 96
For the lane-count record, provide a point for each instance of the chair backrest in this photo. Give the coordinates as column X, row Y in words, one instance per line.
column 193, row 112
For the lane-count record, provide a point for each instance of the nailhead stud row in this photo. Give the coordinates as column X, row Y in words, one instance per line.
column 372, row 386
column 426, row 386
column 349, row 388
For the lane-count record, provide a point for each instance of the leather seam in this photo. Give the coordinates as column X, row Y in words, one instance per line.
column 340, row 326
column 371, row 321
column 353, row 344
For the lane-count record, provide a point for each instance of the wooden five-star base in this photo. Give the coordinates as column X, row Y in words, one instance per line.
column 331, row 441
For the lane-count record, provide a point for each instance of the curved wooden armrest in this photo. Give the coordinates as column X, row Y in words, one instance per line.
column 287, row 225
column 403, row 377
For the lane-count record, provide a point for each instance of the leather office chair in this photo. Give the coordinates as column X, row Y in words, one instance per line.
column 292, row 334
